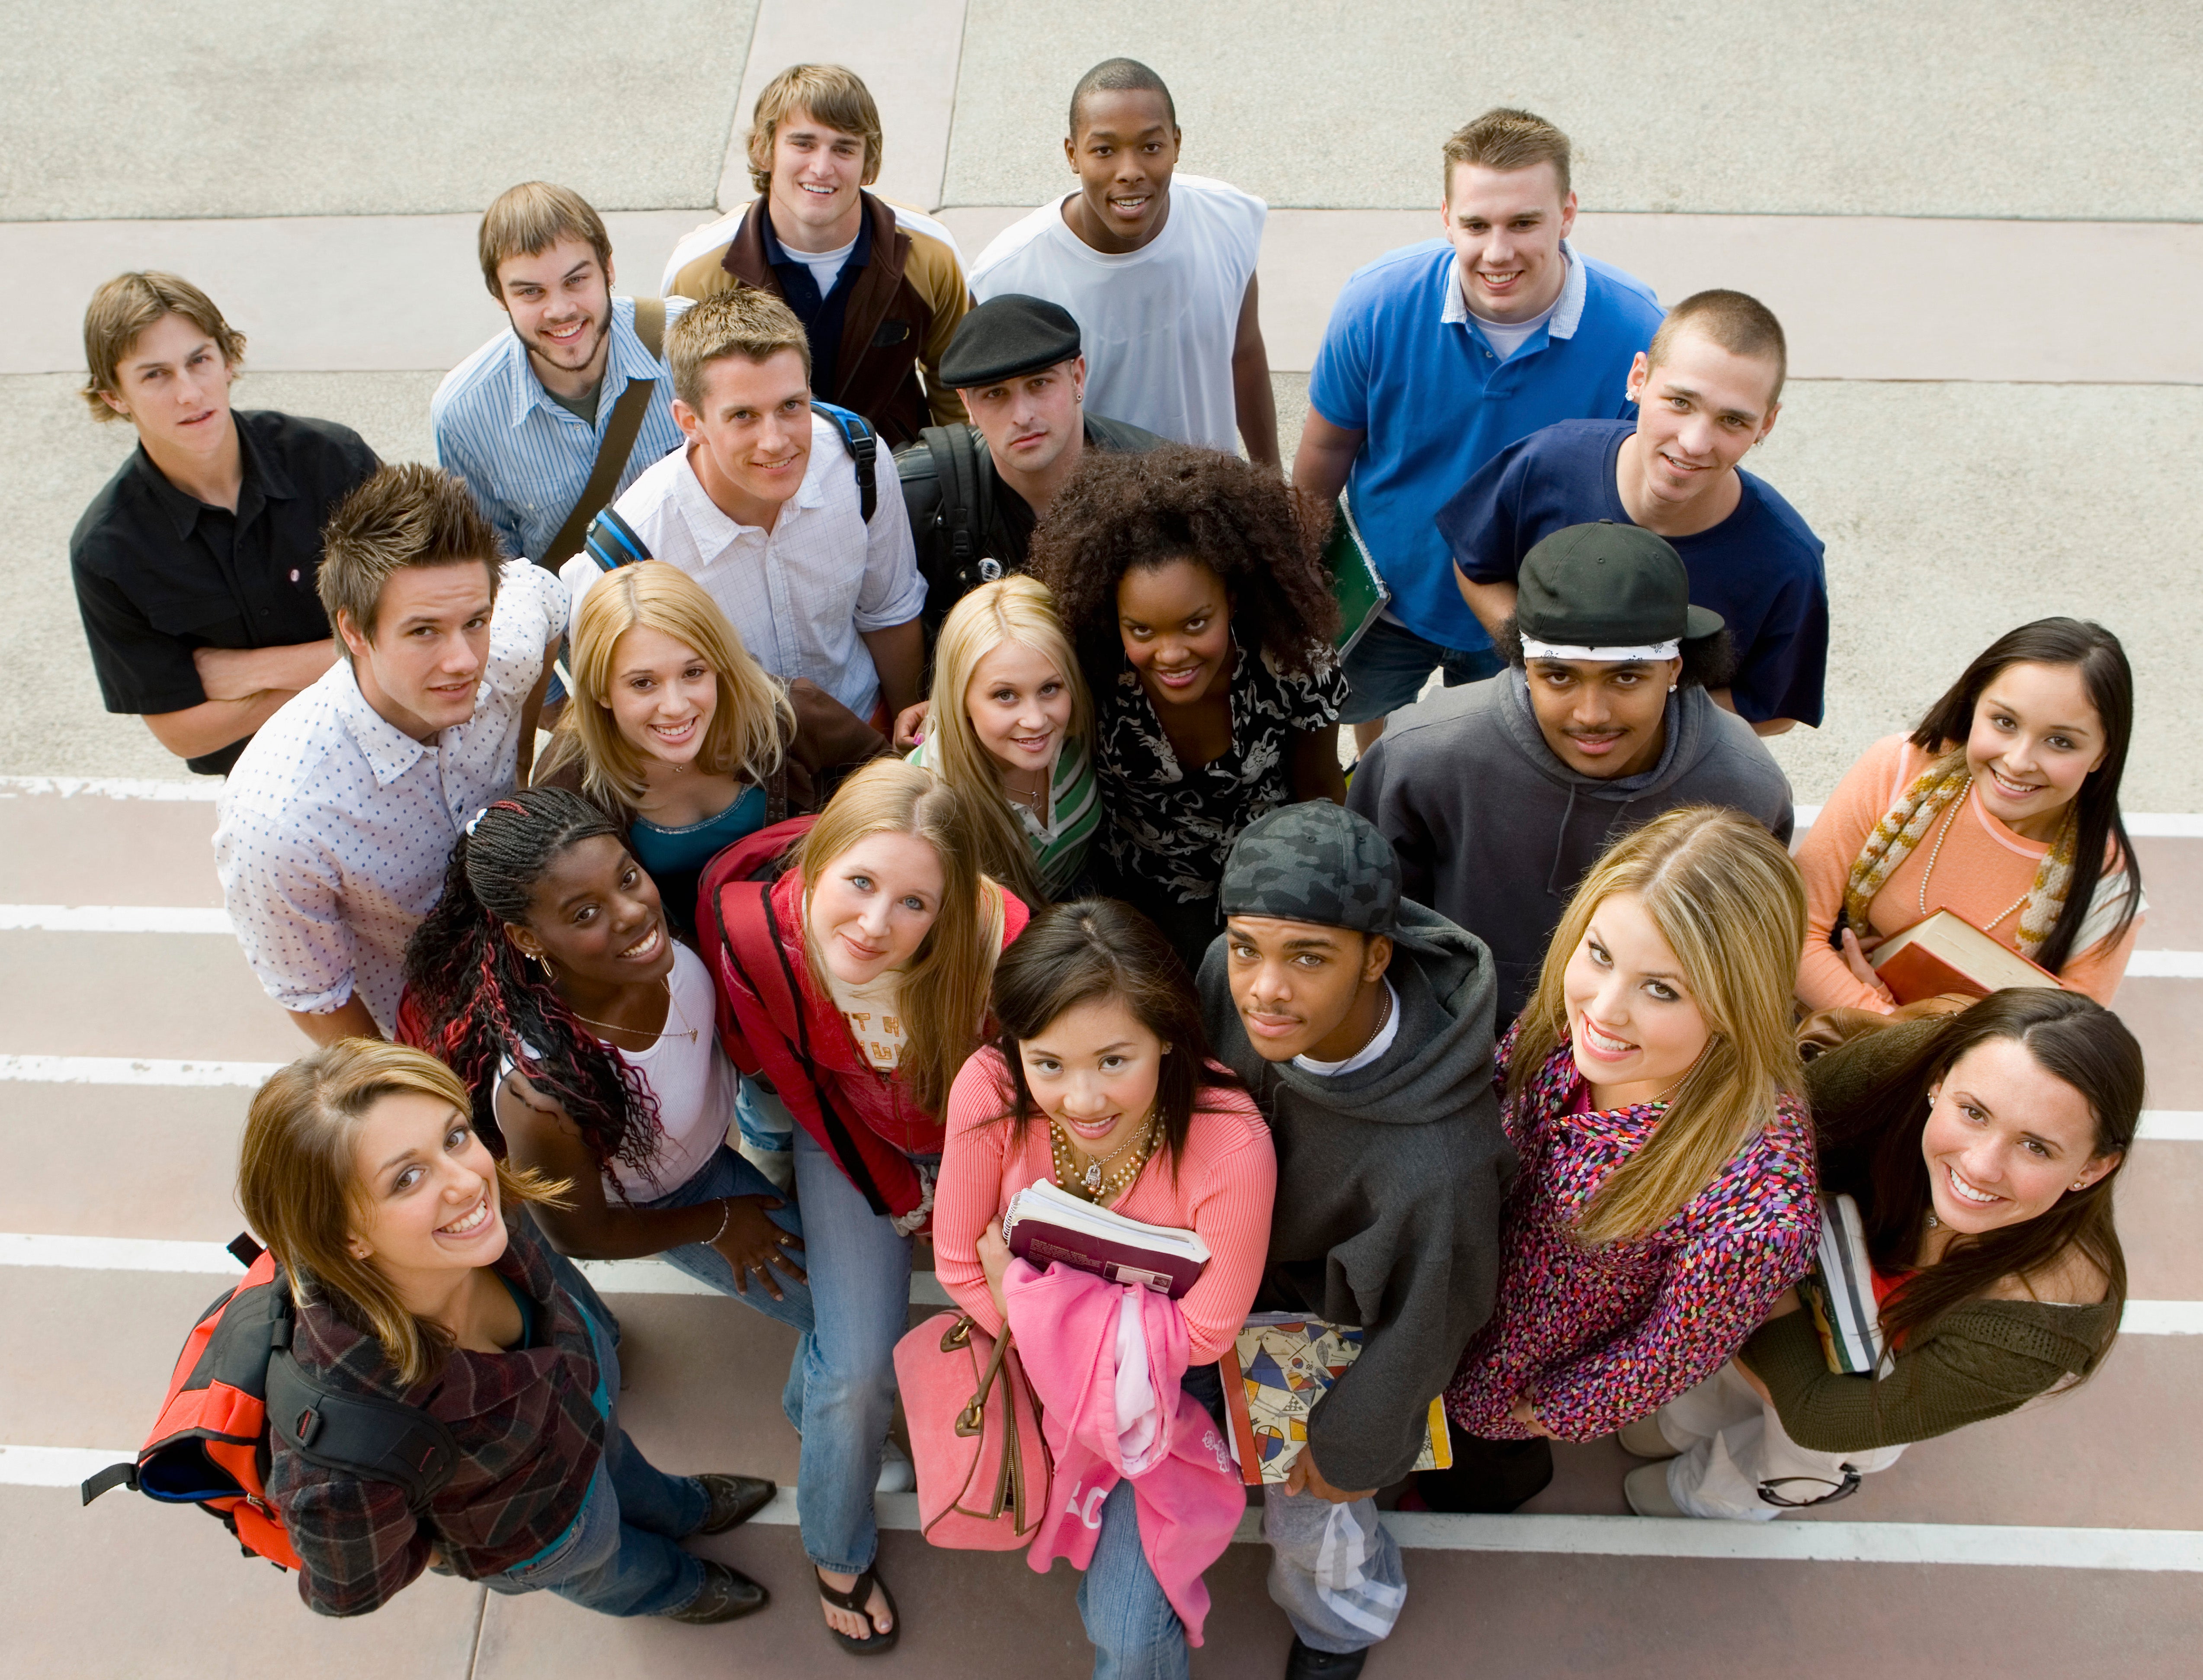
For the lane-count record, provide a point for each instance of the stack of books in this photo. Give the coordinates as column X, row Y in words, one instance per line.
column 1045, row 1223
column 1947, row 952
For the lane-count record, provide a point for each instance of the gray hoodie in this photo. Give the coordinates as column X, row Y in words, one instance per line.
column 1494, row 832
column 1390, row 1182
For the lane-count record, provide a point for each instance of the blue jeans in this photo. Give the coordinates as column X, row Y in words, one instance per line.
column 726, row 1173
column 841, row 1390
column 1390, row 664
column 619, row 1554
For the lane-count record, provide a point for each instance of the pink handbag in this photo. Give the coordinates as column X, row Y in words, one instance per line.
column 983, row 1466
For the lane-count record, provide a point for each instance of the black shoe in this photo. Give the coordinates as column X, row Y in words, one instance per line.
column 1305, row 1662
column 727, row 1594
column 734, row 1499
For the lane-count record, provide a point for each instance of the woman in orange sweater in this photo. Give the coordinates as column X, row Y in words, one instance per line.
column 1102, row 1085
column 2002, row 807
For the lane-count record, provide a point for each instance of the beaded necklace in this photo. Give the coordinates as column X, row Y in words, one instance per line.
column 1089, row 1182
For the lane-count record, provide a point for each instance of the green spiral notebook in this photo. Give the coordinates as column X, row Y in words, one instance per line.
column 1355, row 584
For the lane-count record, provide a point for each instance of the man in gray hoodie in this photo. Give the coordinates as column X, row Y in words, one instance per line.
column 1362, row 1023
column 1498, row 796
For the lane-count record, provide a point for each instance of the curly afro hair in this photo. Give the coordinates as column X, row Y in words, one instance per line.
column 1122, row 512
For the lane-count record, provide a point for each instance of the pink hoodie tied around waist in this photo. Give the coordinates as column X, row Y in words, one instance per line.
column 1082, row 1340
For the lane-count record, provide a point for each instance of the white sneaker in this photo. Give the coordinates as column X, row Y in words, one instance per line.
column 897, row 1474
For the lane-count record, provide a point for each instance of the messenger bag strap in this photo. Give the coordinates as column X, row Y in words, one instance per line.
column 616, row 444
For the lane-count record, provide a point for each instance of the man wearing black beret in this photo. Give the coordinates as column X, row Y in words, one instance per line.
column 975, row 491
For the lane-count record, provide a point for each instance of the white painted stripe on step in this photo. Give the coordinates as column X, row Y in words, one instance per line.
column 57, row 1466
column 2141, row 825
column 199, row 789
column 131, row 1070
column 2165, row 965
column 2162, row 1318
column 112, row 918
column 2172, row 1126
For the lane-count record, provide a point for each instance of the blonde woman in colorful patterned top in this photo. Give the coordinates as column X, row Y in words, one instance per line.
column 1666, row 1195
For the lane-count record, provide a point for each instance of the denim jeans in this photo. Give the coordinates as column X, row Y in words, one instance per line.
column 1390, row 664
column 726, row 1173
column 619, row 1554
column 841, row 1390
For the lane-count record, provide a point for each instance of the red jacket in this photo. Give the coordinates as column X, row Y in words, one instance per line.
column 792, row 1035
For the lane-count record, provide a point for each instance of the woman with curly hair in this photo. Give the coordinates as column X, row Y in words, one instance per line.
column 1202, row 615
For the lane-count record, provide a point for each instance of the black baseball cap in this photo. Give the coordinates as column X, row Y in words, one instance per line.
column 1007, row 335
column 1607, row 586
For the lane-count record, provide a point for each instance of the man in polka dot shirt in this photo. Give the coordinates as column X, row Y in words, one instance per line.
column 337, row 822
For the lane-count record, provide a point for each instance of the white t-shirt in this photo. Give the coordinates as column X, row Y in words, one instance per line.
column 1158, row 324
column 826, row 266
column 1368, row 1053
column 874, row 1012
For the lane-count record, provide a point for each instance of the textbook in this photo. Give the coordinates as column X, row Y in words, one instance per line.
column 1947, row 953
column 1046, row 1223
column 1274, row 1375
column 1360, row 591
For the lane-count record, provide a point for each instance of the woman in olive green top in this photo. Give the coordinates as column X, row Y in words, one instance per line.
column 1983, row 1149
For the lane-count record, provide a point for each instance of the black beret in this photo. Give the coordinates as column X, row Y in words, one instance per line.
column 1007, row 335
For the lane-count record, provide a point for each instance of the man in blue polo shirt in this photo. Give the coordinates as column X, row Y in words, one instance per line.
column 1439, row 355
column 1708, row 390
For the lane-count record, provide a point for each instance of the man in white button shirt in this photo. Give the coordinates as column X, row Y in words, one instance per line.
column 763, row 508
column 336, row 824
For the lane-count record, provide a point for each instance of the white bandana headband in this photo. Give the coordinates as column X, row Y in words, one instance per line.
column 1651, row 652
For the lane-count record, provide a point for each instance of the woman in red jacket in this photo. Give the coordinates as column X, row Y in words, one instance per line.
column 855, row 986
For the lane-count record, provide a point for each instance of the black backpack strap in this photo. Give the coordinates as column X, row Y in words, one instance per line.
column 378, row 1439
column 114, row 1476
column 863, row 444
column 612, row 543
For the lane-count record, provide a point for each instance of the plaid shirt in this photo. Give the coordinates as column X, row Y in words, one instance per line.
column 531, row 1427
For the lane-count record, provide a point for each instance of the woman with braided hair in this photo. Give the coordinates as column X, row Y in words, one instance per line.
column 2001, row 808
column 546, row 978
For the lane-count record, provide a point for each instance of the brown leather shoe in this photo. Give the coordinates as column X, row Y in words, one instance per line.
column 735, row 1499
column 728, row 1594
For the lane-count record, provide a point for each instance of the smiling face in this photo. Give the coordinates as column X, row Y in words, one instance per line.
column 817, row 173
column 662, row 695
column 560, row 300
column 1094, row 1070
column 1698, row 411
column 1302, row 989
column 596, row 914
column 1031, row 419
column 1632, row 1021
column 752, row 438
column 874, row 906
column 1175, row 620
column 1601, row 719
column 1020, row 703
column 425, row 1193
column 1506, row 227
column 2035, row 739
column 1124, row 152
column 173, row 384
column 2005, row 1140
column 430, row 645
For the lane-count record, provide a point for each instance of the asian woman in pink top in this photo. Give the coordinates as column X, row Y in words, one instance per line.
column 1101, row 1084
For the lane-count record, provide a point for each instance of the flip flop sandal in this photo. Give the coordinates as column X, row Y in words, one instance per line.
column 857, row 1600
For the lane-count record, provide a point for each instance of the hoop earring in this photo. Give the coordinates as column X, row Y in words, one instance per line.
column 544, row 963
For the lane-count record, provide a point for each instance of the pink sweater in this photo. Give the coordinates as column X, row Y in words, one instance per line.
column 1225, row 1181
column 1983, row 867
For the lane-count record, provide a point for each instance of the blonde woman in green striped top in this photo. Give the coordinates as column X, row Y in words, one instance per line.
column 1008, row 724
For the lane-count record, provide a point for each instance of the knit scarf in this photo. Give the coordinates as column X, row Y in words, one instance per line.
column 1932, row 794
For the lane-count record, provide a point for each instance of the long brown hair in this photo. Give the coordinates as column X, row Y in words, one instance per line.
column 297, row 1182
column 1083, row 953
column 1871, row 1150
column 943, row 994
column 1729, row 903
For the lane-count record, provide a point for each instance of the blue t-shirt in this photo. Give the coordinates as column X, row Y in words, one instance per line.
column 1760, row 568
column 1436, row 402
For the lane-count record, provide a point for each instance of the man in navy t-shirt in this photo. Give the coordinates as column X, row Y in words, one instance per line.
column 1709, row 389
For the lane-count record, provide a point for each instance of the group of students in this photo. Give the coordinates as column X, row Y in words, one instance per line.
column 907, row 837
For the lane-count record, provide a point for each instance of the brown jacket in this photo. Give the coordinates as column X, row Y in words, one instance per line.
column 900, row 317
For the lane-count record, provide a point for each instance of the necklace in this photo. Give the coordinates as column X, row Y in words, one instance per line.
column 1936, row 851
column 1092, row 1181
column 1031, row 801
column 672, row 1005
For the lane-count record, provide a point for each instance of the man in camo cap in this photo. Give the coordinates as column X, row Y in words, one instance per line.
column 1362, row 1023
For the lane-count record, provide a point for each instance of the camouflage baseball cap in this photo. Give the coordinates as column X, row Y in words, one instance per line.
column 1317, row 862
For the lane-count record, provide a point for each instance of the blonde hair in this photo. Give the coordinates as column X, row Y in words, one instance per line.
column 297, row 1182
column 1018, row 609
column 119, row 313
column 532, row 218
column 943, row 995
column 746, row 322
column 1506, row 139
column 1729, row 903
column 830, row 94
column 752, row 722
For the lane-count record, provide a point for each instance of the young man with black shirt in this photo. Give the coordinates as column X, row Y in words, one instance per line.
column 195, row 565
column 1362, row 1023
column 975, row 491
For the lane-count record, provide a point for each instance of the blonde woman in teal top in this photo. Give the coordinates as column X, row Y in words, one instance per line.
column 1008, row 724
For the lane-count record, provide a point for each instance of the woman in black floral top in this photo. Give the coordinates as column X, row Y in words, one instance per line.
column 1203, row 617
